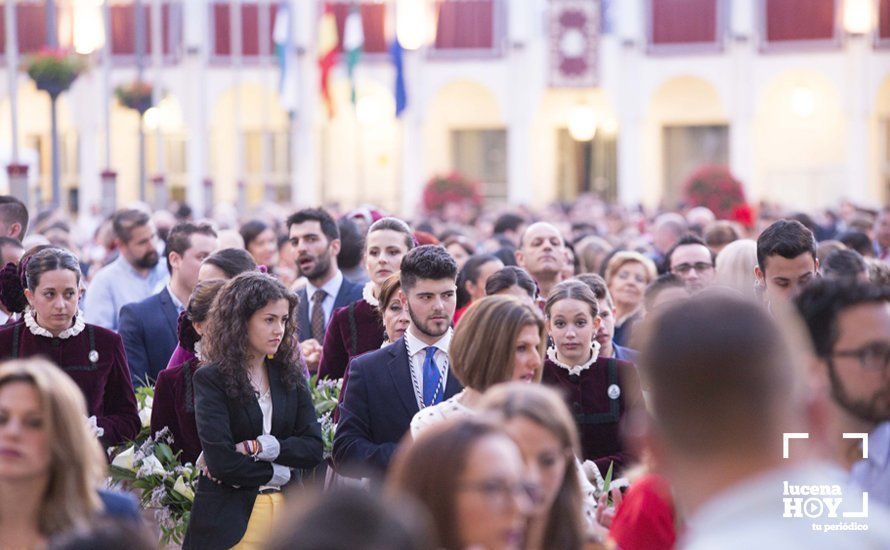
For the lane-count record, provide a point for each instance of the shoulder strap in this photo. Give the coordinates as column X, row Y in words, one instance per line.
column 353, row 331
column 16, row 330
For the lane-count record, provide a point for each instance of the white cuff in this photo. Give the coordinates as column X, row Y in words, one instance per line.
column 271, row 448
column 280, row 475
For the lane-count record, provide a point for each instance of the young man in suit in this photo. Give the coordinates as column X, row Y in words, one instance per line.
column 149, row 328
column 388, row 386
column 316, row 240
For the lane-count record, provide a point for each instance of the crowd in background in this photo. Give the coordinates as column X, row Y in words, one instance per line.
column 587, row 375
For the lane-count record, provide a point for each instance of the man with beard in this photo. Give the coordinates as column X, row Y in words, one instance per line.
column 387, row 387
column 542, row 254
column 135, row 275
column 149, row 327
column 316, row 240
column 849, row 324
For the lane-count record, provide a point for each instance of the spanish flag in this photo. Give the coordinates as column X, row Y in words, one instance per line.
column 327, row 53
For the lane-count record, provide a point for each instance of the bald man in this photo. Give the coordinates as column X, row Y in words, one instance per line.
column 542, row 254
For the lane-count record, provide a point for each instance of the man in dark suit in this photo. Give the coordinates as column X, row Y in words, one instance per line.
column 149, row 328
column 389, row 386
column 316, row 240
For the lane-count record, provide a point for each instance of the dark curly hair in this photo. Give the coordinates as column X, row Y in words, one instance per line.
column 224, row 343
column 15, row 278
column 197, row 311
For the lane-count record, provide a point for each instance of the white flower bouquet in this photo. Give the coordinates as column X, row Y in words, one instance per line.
column 325, row 396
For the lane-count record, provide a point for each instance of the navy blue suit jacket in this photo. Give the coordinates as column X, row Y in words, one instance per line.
column 626, row 354
column 349, row 292
column 376, row 410
column 120, row 506
column 148, row 329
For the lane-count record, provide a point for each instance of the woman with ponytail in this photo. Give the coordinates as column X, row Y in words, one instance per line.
column 45, row 288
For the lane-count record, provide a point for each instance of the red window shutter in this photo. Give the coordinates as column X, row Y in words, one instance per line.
column 250, row 40
column 465, row 24
column 373, row 25
column 799, row 20
column 31, row 27
column 222, row 45
column 684, row 21
column 123, row 30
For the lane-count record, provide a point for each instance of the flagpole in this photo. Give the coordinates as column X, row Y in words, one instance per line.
column 16, row 172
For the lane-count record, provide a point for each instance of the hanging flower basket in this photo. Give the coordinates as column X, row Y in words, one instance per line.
column 136, row 95
column 450, row 189
column 715, row 188
column 54, row 70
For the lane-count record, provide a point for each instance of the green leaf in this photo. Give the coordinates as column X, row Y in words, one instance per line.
column 607, row 481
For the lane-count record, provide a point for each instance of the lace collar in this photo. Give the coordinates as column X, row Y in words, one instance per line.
column 198, row 355
column 38, row 330
column 368, row 295
column 578, row 369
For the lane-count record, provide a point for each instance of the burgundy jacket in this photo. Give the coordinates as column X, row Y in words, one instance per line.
column 174, row 407
column 353, row 330
column 598, row 416
column 105, row 384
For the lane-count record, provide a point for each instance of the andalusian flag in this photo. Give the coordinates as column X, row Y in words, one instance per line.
column 282, row 37
column 327, row 53
column 353, row 40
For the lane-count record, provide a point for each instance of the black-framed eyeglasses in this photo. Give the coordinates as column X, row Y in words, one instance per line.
column 699, row 267
column 874, row 356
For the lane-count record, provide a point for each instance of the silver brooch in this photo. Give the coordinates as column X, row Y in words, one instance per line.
column 94, row 356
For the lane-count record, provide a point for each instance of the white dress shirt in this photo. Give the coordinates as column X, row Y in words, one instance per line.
column 417, row 354
column 332, row 288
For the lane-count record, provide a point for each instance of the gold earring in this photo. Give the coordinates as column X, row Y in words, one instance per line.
column 270, row 356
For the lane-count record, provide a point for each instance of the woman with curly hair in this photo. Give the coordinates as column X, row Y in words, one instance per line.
column 254, row 412
column 45, row 287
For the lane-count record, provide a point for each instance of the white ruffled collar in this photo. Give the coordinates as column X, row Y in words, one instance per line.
column 198, row 355
column 368, row 294
column 578, row 369
column 38, row 330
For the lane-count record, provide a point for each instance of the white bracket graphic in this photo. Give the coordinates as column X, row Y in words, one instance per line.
column 791, row 435
column 863, row 437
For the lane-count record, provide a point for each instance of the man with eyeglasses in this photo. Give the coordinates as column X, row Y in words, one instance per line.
column 849, row 324
column 692, row 261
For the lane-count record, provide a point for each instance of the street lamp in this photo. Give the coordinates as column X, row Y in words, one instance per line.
column 858, row 16
column 413, row 23
column 582, row 123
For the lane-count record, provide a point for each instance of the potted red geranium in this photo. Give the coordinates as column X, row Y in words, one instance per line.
column 715, row 188
column 449, row 191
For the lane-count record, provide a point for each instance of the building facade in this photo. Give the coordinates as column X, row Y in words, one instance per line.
column 539, row 100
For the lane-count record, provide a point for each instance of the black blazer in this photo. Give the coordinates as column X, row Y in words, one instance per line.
column 220, row 511
column 376, row 410
column 148, row 329
column 349, row 292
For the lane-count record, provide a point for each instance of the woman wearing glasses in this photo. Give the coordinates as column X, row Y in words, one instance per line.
column 469, row 475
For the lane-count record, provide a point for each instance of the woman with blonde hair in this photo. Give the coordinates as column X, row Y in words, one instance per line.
column 735, row 266
column 627, row 276
column 51, row 464
column 538, row 421
column 499, row 339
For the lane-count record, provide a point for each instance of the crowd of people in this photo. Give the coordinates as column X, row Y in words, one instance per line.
column 585, row 376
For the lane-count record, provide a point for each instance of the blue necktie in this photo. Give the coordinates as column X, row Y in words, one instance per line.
column 431, row 378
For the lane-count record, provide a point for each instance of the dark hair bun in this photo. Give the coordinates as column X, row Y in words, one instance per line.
column 188, row 336
column 12, row 293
